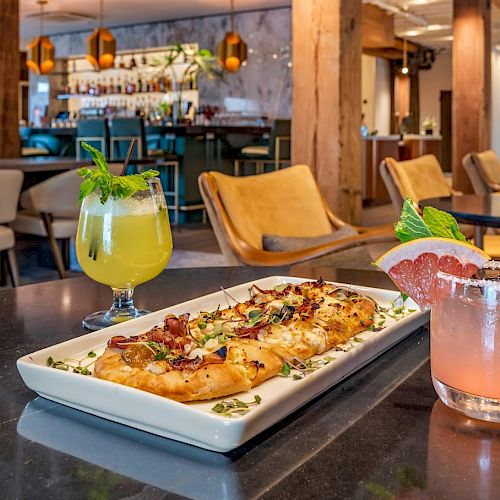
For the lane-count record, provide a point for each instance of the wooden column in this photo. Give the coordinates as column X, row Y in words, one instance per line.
column 471, row 129
column 9, row 78
column 326, row 115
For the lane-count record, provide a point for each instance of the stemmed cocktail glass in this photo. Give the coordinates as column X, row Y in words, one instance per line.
column 122, row 243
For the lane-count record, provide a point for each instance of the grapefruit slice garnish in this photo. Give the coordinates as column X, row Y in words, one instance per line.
column 413, row 266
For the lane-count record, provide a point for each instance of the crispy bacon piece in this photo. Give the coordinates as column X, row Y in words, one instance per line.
column 120, row 341
column 177, row 326
column 211, row 358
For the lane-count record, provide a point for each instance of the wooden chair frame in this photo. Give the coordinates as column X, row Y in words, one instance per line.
column 238, row 252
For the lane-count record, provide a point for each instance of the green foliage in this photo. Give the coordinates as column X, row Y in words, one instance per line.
column 412, row 226
column 442, row 224
column 100, row 178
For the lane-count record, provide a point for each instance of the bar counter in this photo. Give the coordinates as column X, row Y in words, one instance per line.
column 381, row 433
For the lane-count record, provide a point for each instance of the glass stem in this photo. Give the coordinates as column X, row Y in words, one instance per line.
column 123, row 299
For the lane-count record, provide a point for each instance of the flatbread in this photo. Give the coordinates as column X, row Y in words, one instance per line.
column 223, row 352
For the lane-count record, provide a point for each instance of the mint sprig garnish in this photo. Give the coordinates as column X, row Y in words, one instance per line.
column 100, row 178
column 412, row 226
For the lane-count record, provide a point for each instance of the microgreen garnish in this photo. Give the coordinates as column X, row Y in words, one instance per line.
column 74, row 365
column 285, row 371
column 280, row 288
column 235, row 407
column 116, row 186
column 303, row 367
column 412, row 226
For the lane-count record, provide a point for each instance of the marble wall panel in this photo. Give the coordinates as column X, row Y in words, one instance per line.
column 266, row 78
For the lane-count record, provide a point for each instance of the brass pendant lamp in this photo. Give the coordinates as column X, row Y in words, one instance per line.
column 101, row 45
column 40, row 58
column 232, row 51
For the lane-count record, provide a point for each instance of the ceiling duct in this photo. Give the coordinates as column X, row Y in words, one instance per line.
column 61, row 16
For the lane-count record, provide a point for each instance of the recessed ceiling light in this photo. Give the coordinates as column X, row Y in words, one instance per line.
column 437, row 27
column 411, row 33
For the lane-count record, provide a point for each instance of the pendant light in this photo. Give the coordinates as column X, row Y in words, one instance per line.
column 404, row 69
column 40, row 58
column 101, row 45
column 232, row 51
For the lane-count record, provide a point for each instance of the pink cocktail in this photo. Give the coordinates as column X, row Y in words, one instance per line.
column 465, row 345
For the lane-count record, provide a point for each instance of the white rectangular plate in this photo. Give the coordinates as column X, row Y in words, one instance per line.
column 196, row 423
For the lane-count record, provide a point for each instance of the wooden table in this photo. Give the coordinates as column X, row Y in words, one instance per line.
column 380, row 430
column 480, row 211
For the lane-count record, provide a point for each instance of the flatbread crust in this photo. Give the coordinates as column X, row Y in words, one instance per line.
column 258, row 336
column 248, row 364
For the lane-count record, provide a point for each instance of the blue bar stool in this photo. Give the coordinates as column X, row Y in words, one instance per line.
column 277, row 153
column 122, row 132
column 96, row 133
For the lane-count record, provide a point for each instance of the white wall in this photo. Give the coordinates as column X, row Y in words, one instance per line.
column 383, row 92
column 376, row 91
column 368, row 65
column 495, row 100
column 431, row 82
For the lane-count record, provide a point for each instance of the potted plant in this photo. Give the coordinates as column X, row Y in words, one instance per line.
column 429, row 124
column 183, row 63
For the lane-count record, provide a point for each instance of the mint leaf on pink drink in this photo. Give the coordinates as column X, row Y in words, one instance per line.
column 412, row 226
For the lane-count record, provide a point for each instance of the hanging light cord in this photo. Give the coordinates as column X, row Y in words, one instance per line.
column 405, row 53
column 41, row 3
column 232, row 15
column 101, row 13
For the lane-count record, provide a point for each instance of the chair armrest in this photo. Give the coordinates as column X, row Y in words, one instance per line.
column 254, row 257
column 381, row 228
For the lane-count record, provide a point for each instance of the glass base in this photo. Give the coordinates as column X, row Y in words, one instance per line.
column 103, row 319
column 472, row 405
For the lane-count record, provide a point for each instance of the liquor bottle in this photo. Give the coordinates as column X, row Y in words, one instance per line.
column 118, row 86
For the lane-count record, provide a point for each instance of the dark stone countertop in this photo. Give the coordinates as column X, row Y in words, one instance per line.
column 380, row 432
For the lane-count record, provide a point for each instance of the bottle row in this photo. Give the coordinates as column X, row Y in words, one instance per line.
column 129, row 85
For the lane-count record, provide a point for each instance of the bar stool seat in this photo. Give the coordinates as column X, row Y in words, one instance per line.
column 261, row 151
column 276, row 154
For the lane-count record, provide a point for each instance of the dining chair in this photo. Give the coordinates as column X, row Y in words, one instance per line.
column 277, row 218
column 418, row 179
column 50, row 209
column 10, row 187
column 483, row 170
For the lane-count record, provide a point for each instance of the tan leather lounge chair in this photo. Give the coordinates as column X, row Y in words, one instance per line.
column 286, row 203
column 51, row 209
column 483, row 170
column 10, row 187
column 418, row 179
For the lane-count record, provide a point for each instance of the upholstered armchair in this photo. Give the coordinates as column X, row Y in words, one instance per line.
column 483, row 170
column 418, row 179
column 285, row 204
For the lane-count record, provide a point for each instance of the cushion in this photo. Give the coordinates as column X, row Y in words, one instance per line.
column 255, row 151
column 32, row 151
column 29, row 223
column 490, row 166
column 275, row 243
column 419, row 178
column 286, row 202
